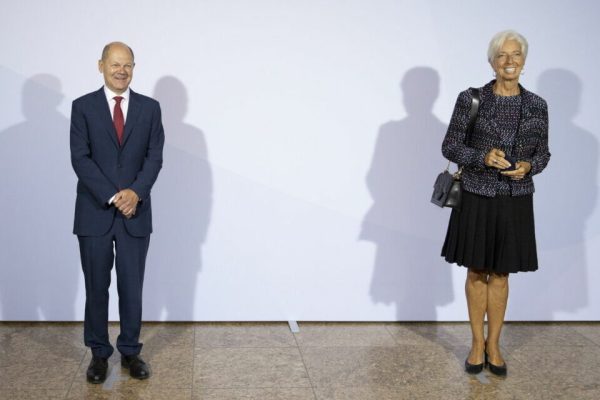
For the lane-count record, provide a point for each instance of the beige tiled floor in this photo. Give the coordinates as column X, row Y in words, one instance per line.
column 337, row 361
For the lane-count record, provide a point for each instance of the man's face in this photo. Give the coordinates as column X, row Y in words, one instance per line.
column 117, row 68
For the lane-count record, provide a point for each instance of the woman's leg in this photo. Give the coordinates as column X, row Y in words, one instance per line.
column 476, row 288
column 497, row 298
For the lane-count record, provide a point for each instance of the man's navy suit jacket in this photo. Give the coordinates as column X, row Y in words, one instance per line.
column 104, row 168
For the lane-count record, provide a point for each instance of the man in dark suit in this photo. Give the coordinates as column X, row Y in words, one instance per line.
column 117, row 141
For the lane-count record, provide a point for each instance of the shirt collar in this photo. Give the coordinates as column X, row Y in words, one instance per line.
column 110, row 94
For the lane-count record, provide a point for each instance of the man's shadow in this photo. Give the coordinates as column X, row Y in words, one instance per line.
column 182, row 202
column 406, row 228
column 39, row 262
column 565, row 199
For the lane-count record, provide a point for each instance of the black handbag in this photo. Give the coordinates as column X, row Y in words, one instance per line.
column 447, row 189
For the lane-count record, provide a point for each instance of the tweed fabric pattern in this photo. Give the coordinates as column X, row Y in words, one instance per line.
column 508, row 117
column 496, row 119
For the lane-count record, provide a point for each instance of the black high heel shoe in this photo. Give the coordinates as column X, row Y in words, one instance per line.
column 473, row 369
column 498, row 370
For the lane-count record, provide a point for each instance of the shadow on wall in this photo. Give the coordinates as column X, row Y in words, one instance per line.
column 408, row 230
column 182, row 202
column 565, row 198
column 39, row 261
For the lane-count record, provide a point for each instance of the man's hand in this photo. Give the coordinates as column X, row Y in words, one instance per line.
column 126, row 201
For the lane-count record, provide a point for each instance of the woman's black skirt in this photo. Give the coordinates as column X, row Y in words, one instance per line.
column 494, row 234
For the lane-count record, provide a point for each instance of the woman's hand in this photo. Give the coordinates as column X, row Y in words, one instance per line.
column 495, row 159
column 522, row 169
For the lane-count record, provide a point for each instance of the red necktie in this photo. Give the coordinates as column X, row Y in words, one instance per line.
column 118, row 119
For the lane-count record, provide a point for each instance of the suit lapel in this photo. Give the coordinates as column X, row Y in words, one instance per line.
column 133, row 112
column 105, row 117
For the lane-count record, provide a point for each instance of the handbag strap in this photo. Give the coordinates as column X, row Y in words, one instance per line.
column 473, row 113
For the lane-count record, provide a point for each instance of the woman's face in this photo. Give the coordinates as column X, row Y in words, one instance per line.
column 509, row 61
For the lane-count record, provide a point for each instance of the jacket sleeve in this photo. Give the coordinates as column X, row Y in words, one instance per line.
column 154, row 157
column 453, row 146
column 541, row 155
column 86, row 169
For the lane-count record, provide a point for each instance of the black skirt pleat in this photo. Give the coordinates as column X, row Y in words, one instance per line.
column 494, row 234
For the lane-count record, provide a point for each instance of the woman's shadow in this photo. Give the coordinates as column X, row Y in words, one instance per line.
column 565, row 199
column 406, row 228
column 182, row 203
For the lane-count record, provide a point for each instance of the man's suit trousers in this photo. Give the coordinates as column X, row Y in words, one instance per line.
column 128, row 253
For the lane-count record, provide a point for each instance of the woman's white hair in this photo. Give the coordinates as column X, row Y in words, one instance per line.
column 500, row 38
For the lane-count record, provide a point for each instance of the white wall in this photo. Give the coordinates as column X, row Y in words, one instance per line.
column 303, row 138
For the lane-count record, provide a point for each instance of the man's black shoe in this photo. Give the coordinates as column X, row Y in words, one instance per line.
column 138, row 369
column 96, row 372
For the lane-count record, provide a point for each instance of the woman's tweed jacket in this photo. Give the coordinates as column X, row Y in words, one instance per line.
column 530, row 144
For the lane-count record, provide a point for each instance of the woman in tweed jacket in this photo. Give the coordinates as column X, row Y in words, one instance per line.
column 493, row 234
